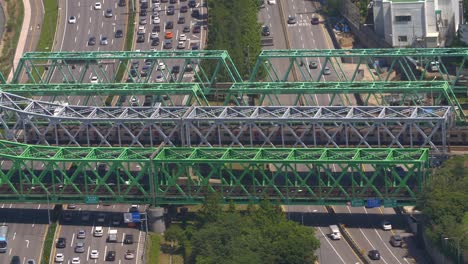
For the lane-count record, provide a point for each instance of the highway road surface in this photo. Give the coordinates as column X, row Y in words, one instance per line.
column 27, row 226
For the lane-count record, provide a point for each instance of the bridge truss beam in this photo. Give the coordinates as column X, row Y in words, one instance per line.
column 168, row 94
column 349, row 65
column 187, row 175
column 74, row 66
column 433, row 93
column 35, row 122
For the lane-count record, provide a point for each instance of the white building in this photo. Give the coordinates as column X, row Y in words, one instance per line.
column 417, row 23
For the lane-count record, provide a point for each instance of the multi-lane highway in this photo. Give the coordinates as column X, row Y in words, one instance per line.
column 69, row 229
column 27, row 226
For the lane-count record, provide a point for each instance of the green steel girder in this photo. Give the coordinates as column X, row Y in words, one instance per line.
column 186, row 175
column 342, row 93
column 72, row 66
column 412, row 64
column 169, row 90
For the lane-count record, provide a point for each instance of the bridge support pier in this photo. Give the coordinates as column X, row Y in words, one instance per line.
column 156, row 220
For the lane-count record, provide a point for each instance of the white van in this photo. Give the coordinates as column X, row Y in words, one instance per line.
column 334, row 232
column 98, row 231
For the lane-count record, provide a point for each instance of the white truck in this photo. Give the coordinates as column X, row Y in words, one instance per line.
column 112, row 238
column 334, row 232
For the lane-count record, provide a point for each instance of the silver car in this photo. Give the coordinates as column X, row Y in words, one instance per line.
column 79, row 248
column 81, row 234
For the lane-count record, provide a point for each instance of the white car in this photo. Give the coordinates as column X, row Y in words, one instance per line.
column 72, row 20
column 181, row 45
column 97, row 6
column 156, row 20
column 59, row 257
column 157, row 7
column 75, row 260
column 154, row 35
column 129, row 254
column 386, row 225
column 182, row 37
column 159, row 79
column 98, row 231
column 272, row 2
column 94, row 254
column 161, row 66
column 94, row 79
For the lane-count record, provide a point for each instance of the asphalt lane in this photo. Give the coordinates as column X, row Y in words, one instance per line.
column 330, row 251
column 69, row 230
column 27, row 226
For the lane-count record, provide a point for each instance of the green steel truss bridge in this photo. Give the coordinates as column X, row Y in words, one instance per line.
column 173, row 152
column 34, row 122
column 163, row 175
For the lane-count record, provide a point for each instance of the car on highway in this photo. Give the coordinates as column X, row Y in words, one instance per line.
column 315, row 20
column 265, row 30
column 196, row 29
column 71, row 206
column 386, row 225
column 170, row 10
column 313, row 65
column 159, row 79
column 67, row 216
column 173, row 1
column 183, row 9
column 59, row 257
column 143, row 21
column 81, row 234
column 61, row 242
column 15, row 260
column 122, row 2
column 92, row 41
column 116, row 219
column 175, row 69
column 143, row 12
column 85, row 216
column 141, row 38
column 169, row 25
column 182, row 37
column 168, row 35
column 157, row 7
column 374, row 254
column 98, row 232
column 97, row 6
column 186, row 29
column 94, row 79
column 108, row 13
column 292, row 20
column 161, row 66
column 31, row 261
column 101, row 218
column 156, row 28
column 104, row 41
column 195, row 13
column 154, row 35
column 181, row 20
column 326, row 71
column 272, row 2
column 79, row 247
column 155, row 42
column 396, row 241
column 110, row 256
column 75, row 260
column 181, row 45
column 130, row 254
column 94, row 254
column 141, row 30
column 192, row 3
column 72, row 20
column 118, row 33
column 156, row 20
column 128, row 239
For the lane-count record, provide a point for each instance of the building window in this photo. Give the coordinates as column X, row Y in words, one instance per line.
column 402, row 18
column 402, row 38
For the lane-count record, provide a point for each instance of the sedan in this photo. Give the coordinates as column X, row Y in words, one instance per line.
column 61, row 242
column 81, row 234
column 94, row 254
column 183, row 9
column 326, row 71
column 186, row 29
column 141, row 38
column 104, row 41
column 143, row 21
column 313, row 65
column 72, row 20
column 157, row 7
column 59, row 257
column 181, row 20
column 196, row 29
column 374, row 254
column 108, row 13
column 75, row 260
column 110, row 256
column 168, row 44
column 386, row 225
column 292, row 20
column 170, row 10
column 130, row 254
column 155, row 42
column 154, row 35
column 182, row 37
column 118, row 33
column 272, row 2
column 169, row 25
column 97, row 6
column 92, row 41
column 79, row 248
column 156, row 20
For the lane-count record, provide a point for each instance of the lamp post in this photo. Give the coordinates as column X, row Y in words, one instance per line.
column 458, row 244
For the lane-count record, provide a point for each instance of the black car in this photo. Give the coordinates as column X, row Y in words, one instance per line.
column 156, row 28
column 265, row 31
column 110, row 256
column 164, row 1
column 92, row 41
column 141, row 38
column 128, row 239
column 196, row 13
column 170, row 10
column 192, row 3
column 144, row 5
column 186, row 29
column 122, row 2
column 118, row 33
column 155, row 42
column 175, row 69
column 374, row 254
column 169, row 25
column 183, row 9
column 15, row 260
column 195, row 47
column 173, row 1
column 196, row 29
column 181, row 20
column 143, row 12
column 61, row 242
column 168, row 44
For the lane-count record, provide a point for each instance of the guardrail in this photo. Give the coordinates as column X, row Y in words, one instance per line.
column 359, row 252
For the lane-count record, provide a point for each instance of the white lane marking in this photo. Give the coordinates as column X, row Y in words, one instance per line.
column 334, row 249
column 87, row 255
column 102, row 24
column 77, row 27
column 105, row 251
column 115, row 18
column 78, row 15
column 123, row 236
column 138, row 247
column 11, row 205
column 65, row 27
column 115, row 5
column 39, row 207
column 112, row 42
column 34, row 223
column 106, row 67
column 14, row 236
column 89, row 31
column 73, row 238
column 75, row 39
column 78, row 103
column 90, row 20
column 27, row 243
column 9, row 253
column 79, row 3
column 3, row 205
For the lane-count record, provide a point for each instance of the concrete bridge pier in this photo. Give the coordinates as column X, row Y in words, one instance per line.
column 156, row 220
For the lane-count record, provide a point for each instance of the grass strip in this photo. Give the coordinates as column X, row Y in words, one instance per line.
column 153, row 247
column 128, row 42
column 49, row 241
column 14, row 13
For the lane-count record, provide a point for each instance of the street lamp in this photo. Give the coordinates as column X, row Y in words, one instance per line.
column 48, row 201
column 458, row 244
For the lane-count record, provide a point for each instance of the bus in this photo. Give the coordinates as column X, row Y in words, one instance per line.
column 3, row 238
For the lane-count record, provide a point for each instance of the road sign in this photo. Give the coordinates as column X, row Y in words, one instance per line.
column 371, row 203
column 390, row 203
column 91, row 200
column 357, row 203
